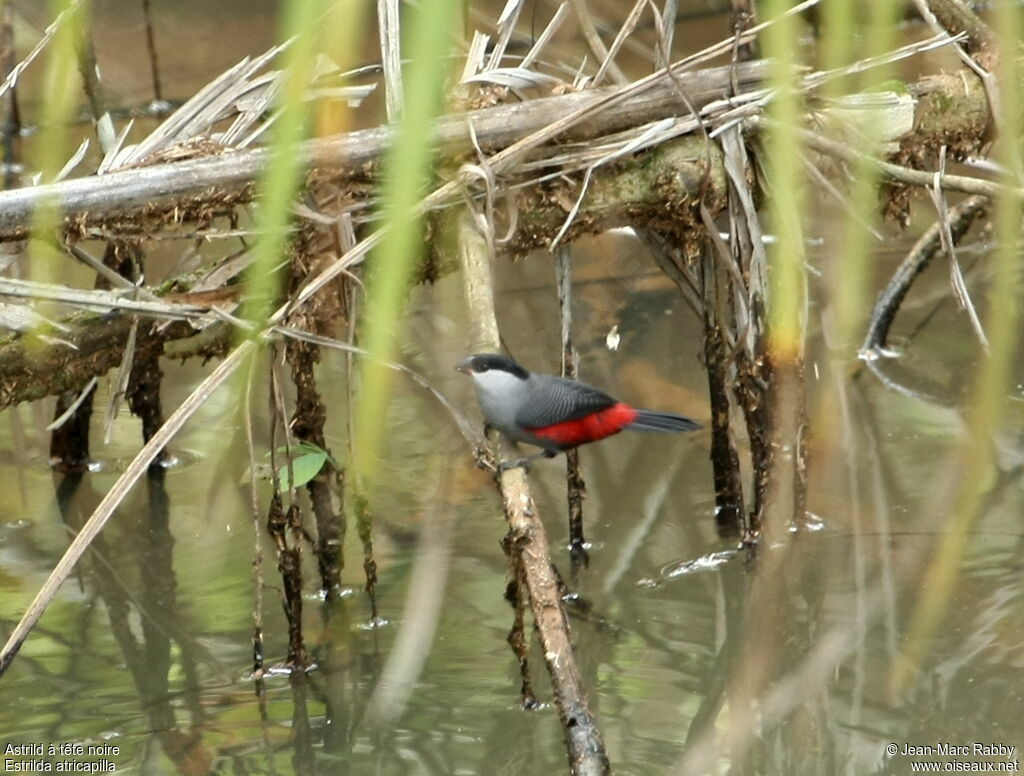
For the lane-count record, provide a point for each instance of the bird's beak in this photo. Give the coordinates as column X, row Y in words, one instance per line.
column 464, row 366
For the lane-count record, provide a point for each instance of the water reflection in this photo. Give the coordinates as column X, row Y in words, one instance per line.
column 133, row 578
column 773, row 664
column 780, row 663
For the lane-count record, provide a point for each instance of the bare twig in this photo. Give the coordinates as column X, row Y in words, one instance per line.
column 593, row 38
column 576, row 487
column 101, row 300
column 121, row 381
column 954, row 16
column 63, row 418
column 62, row 18
column 721, row 283
column 115, row 279
column 667, row 32
column 624, row 32
column 549, row 31
column 257, row 553
column 962, row 183
column 963, row 296
column 89, row 69
column 10, row 123
column 154, row 62
column 391, row 53
column 744, row 14
column 506, row 26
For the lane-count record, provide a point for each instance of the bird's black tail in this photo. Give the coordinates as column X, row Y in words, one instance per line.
column 662, row 422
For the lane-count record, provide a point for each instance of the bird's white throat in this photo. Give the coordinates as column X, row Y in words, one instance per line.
column 500, row 393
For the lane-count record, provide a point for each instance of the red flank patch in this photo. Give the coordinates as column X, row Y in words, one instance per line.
column 590, row 428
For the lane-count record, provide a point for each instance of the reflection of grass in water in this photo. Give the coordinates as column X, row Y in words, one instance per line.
column 975, row 463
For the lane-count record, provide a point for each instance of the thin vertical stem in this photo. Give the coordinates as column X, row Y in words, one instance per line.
column 576, row 486
column 388, row 23
column 54, row 140
column 408, row 168
column 744, row 16
column 852, row 271
column 154, row 62
column 283, row 173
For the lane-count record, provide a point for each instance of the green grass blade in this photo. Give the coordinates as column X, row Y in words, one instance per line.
column 407, row 173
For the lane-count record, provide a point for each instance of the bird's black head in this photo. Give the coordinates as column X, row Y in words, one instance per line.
column 486, row 362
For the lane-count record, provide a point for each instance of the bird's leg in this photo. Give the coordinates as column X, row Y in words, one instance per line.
column 524, row 461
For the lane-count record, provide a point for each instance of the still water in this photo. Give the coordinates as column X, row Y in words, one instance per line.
column 148, row 647
column 699, row 657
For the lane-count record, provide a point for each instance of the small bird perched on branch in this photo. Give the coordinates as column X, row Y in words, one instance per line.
column 554, row 413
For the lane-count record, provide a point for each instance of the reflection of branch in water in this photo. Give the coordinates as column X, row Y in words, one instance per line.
column 153, row 600
column 113, row 498
column 960, row 219
column 421, row 614
column 874, row 352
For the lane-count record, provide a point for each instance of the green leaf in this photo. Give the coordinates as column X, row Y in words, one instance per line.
column 307, row 461
column 305, row 448
column 305, row 467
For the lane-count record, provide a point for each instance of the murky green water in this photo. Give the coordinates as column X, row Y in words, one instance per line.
column 699, row 658
column 148, row 647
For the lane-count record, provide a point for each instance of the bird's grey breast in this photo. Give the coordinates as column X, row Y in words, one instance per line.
column 501, row 395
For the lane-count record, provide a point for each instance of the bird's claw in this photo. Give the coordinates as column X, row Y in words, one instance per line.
column 516, row 463
column 524, row 462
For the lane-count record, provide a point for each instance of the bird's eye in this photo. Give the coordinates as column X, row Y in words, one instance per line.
column 482, row 368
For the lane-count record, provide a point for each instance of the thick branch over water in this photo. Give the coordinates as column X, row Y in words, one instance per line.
column 196, row 186
column 653, row 187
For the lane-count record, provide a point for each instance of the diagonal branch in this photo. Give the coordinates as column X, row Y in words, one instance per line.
column 527, row 542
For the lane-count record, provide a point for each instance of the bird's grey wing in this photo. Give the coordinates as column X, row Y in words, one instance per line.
column 563, row 401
